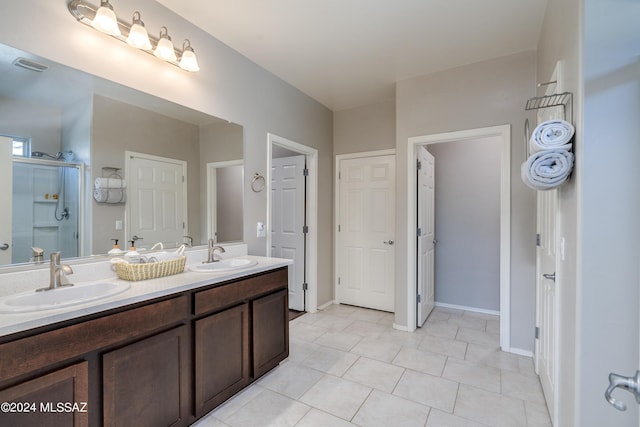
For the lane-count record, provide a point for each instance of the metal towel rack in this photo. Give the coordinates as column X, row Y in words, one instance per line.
column 564, row 100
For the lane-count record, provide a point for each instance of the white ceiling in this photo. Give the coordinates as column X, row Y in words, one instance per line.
column 348, row 53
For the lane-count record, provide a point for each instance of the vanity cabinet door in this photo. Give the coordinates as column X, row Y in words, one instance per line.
column 56, row 399
column 147, row 383
column 270, row 331
column 221, row 357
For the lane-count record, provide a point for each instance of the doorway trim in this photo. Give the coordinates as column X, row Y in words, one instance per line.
column 504, row 133
column 311, row 260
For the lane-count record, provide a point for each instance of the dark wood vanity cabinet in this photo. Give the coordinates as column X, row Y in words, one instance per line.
column 165, row 362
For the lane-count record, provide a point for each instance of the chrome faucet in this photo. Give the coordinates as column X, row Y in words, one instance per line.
column 56, row 270
column 212, row 250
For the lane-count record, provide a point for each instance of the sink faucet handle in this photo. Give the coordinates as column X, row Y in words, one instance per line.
column 55, row 258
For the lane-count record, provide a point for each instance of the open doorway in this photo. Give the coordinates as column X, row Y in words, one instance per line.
column 292, row 216
column 502, row 136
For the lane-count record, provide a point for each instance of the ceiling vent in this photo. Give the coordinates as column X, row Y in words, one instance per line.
column 29, row 64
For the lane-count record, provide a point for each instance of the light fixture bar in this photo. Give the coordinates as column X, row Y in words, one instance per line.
column 85, row 13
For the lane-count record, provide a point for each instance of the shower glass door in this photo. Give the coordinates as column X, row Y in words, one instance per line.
column 46, row 208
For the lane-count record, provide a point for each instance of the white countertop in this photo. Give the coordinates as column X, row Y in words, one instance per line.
column 138, row 292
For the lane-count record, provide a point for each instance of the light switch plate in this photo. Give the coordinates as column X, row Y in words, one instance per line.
column 261, row 230
column 118, row 224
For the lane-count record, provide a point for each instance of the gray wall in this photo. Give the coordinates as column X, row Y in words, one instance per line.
column 229, row 203
column 367, row 128
column 228, row 86
column 36, row 121
column 467, row 199
column 484, row 94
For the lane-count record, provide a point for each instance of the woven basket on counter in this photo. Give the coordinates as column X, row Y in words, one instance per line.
column 150, row 270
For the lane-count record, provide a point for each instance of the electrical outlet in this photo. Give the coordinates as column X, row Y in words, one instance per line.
column 261, row 230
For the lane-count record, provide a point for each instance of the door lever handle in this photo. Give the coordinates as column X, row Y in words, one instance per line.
column 389, row 242
column 551, row 276
column 631, row 384
column 4, row 247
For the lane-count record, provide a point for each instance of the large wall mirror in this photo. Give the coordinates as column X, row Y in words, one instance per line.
column 62, row 131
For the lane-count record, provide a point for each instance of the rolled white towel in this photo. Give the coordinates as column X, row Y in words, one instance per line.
column 551, row 135
column 547, row 170
column 110, row 183
column 109, row 195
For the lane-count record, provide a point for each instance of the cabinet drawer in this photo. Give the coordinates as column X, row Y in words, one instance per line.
column 242, row 290
column 73, row 341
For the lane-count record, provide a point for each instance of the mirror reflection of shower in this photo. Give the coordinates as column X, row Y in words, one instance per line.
column 60, row 213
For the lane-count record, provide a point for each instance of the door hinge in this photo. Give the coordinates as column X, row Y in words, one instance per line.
column 183, row 225
column 338, row 280
column 182, row 178
column 537, row 332
column 419, row 165
column 419, row 298
column 538, row 239
column 305, row 229
column 419, row 232
column 305, row 286
column 339, row 228
column 339, row 175
column 305, row 172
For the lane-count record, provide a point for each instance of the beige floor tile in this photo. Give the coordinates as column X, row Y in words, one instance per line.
column 522, row 386
column 440, row 329
column 338, row 340
column 268, row 409
column 290, row 379
column 382, row 409
column 444, row 346
column 450, row 311
column 526, row 366
column 228, row 408
column 427, row 390
column 330, row 361
column 470, row 373
column 406, row 339
column 387, row 320
column 420, row 360
column 484, row 316
column 475, row 336
column 300, row 350
column 537, row 415
column 439, row 316
column 368, row 315
column 333, row 323
column 210, row 421
column 490, row 408
column 366, row 329
column 493, row 326
column 336, row 396
column 375, row 374
column 340, row 310
column 492, row 356
column 375, row 349
column 306, row 331
column 316, row 418
column 442, row 419
column 469, row 322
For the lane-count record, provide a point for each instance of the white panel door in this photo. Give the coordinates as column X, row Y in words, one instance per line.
column 6, row 184
column 157, row 200
column 427, row 237
column 288, row 220
column 366, row 259
column 547, row 304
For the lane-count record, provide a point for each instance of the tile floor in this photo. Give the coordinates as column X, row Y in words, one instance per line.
column 349, row 367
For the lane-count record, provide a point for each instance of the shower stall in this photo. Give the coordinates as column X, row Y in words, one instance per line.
column 46, row 207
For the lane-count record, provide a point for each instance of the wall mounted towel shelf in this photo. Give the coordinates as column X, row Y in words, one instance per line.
column 564, row 100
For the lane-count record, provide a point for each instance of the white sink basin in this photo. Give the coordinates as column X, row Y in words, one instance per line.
column 61, row 297
column 224, row 265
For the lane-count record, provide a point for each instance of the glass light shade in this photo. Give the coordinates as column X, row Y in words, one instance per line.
column 138, row 37
column 188, row 61
column 105, row 20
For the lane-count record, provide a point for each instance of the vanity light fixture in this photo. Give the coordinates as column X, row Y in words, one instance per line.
column 138, row 36
column 104, row 19
column 188, row 61
column 164, row 49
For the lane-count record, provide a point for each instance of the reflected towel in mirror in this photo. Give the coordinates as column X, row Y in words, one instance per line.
column 109, row 195
column 110, row 183
column 546, row 170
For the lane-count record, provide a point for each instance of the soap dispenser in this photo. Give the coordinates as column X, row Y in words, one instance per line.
column 132, row 256
column 116, row 249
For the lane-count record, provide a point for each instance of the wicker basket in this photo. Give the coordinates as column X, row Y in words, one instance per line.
column 150, row 270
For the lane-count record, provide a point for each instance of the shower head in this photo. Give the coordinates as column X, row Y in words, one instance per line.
column 41, row 154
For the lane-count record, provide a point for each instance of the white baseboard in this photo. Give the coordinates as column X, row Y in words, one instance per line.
column 400, row 327
column 325, row 305
column 521, row 352
column 465, row 308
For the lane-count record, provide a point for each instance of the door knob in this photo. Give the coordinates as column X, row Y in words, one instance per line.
column 4, row 247
column 631, row 384
column 551, row 276
column 389, row 242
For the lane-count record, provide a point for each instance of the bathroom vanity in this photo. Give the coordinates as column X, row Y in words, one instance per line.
column 162, row 361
